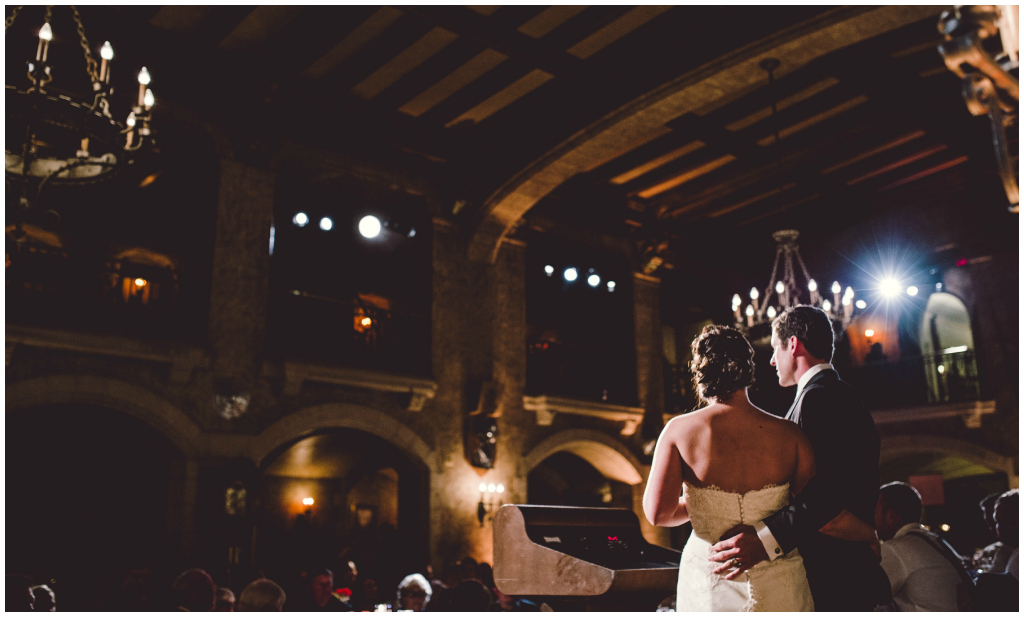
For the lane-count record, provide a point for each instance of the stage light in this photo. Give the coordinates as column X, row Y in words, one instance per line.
column 300, row 219
column 570, row 274
column 889, row 287
column 369, row 226
column 911, row 291
column 326, row 224
column 549, row 270
column 593, row 280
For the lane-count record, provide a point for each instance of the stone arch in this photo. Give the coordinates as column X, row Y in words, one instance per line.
column 903, row 445
column 340, row 415
column 112, row 394
column 606, row 454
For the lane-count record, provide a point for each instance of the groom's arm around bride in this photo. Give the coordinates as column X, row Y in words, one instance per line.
column 843, row 575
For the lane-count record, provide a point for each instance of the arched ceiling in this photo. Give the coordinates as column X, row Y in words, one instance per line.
column 642, row 124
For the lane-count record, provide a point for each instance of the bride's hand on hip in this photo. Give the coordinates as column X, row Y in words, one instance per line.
column 740, row 550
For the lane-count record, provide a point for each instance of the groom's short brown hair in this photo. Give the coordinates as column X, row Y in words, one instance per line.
column 811, row 326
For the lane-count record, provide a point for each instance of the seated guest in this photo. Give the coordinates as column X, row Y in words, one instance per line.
column 470, row 596
column 261, row 596
column 993, row 557
column 321, row 593
column 225, row 601
column 925, row 573
column 193, row 591
column 413, row 593
column 1007, row 516
column 46, row 601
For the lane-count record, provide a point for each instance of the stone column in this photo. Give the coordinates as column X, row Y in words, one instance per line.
column 241, row 271
column 479, row 321
column 647, row 332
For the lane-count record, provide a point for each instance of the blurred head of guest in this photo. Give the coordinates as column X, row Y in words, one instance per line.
column 1007, row 516
column 898, row 504
column 19, row 594
column 45, row 600
column 470, row 596
column 988, row 511
column 321, row 586
column 261, row 596
column 413, row 593
column 225, row 601
column 194, row 591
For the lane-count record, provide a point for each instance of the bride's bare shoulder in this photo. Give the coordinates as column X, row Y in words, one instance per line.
column 689, row 421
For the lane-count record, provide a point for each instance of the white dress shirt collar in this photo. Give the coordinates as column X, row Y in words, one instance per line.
column 811, row 372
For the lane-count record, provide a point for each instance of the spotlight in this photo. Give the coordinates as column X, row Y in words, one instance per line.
column 889, row 287
column 549, row 270
column 861, row 304
column 570, row 274
column 326, row 224
column 369, row 226
column 611, row 285
column 300, row 219
column 911, row 291
column 593, row 280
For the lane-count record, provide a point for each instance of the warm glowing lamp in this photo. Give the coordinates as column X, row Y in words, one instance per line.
column 140, row 282
column 366, row 321
column 869, row 333
column 812, row 285
column 308, row 501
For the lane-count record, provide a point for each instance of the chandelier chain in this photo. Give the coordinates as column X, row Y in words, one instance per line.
column 10, row 18
column 90, row 62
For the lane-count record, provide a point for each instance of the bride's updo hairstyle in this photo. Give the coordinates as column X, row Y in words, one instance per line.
column 723, row 362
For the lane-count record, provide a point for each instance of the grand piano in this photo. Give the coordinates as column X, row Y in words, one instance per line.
column 580, row 558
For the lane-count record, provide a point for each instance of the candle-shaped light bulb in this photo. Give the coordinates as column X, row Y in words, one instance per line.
column 847, row 301
column 826, row 306
column 483, row 487
column 771, row 312
column 144, row 77
column 779, row 288
column 836, row 287
column 812, row 285
column 750, row 311
column 148, row 100
column 107, row 51
column 131, row 119
column 45, row 36
column 736, row 301
column 753, row 293
column 849, row 292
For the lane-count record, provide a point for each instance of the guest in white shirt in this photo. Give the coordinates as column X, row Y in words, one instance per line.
column 919, row 565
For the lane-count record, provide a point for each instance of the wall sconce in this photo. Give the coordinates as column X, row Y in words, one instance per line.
column 490, row 500
column 308, row 502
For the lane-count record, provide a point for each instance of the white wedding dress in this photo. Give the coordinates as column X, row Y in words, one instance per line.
column 779, row 585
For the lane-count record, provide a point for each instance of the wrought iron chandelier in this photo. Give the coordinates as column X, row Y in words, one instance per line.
column 840, row 308
column 787, row 293
column 64, row 138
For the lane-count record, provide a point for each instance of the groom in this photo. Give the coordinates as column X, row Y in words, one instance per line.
column 843, row 575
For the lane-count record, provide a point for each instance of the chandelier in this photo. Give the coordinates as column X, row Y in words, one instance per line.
column 64, row 138
column 762, row 308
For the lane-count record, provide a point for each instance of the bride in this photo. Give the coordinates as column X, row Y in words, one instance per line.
column 733, row 463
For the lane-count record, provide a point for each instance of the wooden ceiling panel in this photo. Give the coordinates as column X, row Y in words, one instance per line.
column 549, row 19
column 453, row 82
column 686, row 176
column 370, row 29
column 506, row 96
column 259, row 26
column 411, row 57
column 815, row 119
column 616, row 30
column 657, row 162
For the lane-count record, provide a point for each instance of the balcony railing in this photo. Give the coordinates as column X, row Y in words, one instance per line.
column 918, row 380
column 348, row 333
column 583, row 372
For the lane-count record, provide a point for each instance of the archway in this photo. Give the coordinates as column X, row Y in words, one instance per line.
column 952, row 477
column 343, row 494
column 607, row 455
column 947, row 344
column 91, row 495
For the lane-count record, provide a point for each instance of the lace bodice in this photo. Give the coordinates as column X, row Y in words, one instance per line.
column 713, row 511
column 778, row 586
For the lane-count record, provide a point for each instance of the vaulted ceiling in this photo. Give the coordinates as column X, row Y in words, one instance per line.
column 642, row 125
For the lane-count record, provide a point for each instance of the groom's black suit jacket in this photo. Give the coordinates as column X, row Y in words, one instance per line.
column 843, row 575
